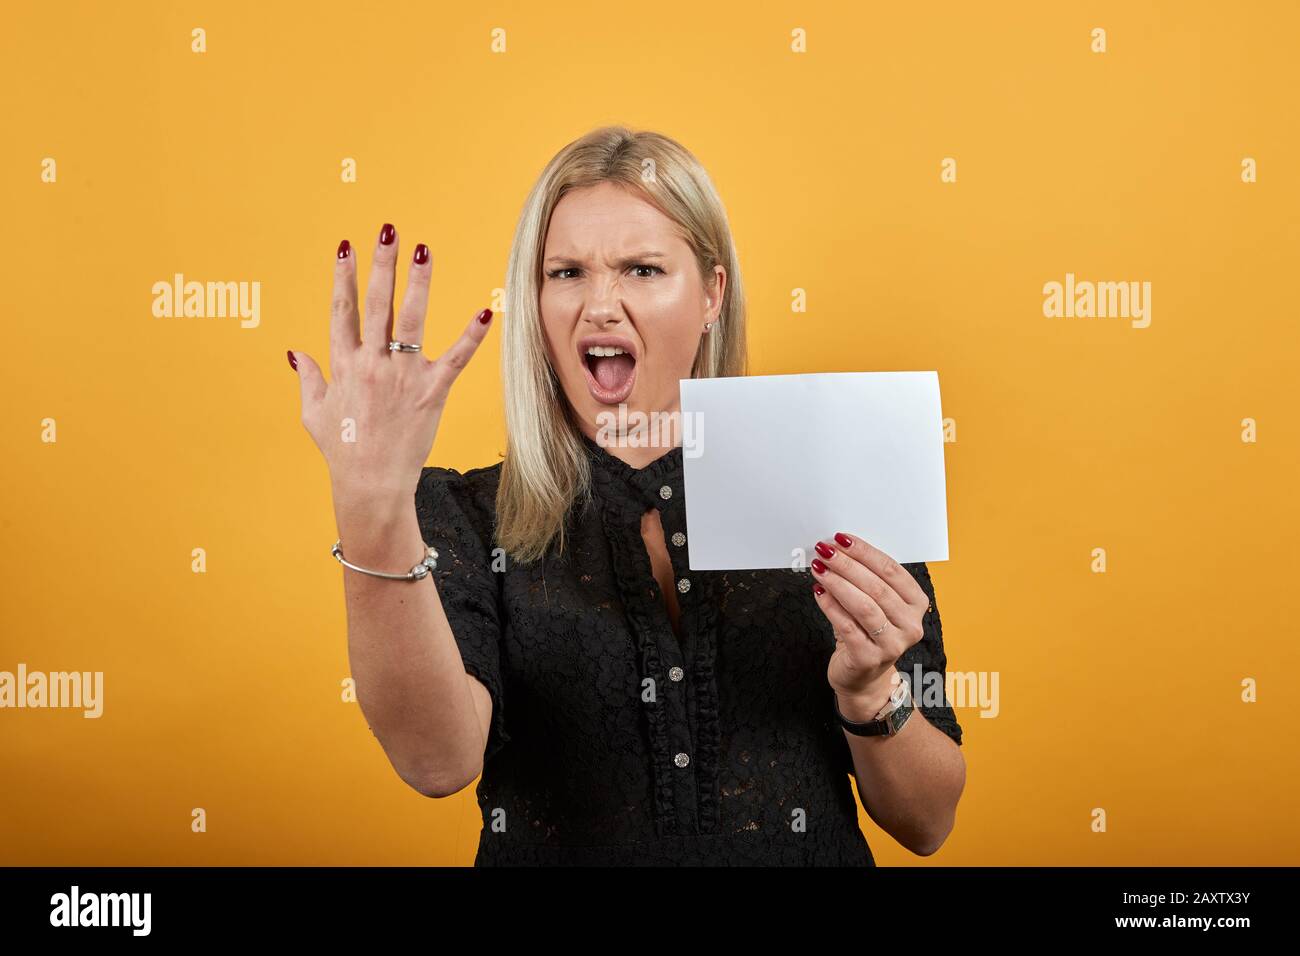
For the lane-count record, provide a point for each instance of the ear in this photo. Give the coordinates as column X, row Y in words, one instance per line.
column 719, row 273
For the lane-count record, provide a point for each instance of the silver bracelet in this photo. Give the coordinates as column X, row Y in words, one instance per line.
column 430, row 563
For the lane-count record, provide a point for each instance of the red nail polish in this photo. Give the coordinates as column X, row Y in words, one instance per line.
column 387, row 234
column 818, row 566
column 818, row 590
column 293, row 362
column 485, row 316
column 825, row 550
column 844, row 540
column 421, row 254
column 345, row 249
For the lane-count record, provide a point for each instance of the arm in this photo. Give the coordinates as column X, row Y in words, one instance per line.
column 909, row 783
column 428, row 714
column 411, row 680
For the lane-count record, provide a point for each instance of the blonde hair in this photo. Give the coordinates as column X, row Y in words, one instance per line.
column 546, row 467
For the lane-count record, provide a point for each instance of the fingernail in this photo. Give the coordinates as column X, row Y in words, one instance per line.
column 818, row 590
column 825, row 550
column 485, row 316
column 387, row 234
column 293, row 362
column 844, row 540
column 818, row 566
column 345, row 249
column 421, row 254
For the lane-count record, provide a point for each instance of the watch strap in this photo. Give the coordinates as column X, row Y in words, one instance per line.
column 887, row 725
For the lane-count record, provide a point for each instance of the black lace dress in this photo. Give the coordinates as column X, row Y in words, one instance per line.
column 614, row 742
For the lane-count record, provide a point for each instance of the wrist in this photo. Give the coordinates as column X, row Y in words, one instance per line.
column 371, row 501
column 379, row 531
column 863, row 706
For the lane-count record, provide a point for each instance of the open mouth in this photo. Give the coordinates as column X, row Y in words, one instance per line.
column 611, row 372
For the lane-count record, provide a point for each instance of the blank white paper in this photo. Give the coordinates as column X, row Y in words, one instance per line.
column 775, row 463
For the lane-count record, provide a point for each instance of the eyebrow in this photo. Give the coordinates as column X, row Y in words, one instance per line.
column 625, row 261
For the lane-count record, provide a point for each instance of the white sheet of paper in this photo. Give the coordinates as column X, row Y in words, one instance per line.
column 775, row 463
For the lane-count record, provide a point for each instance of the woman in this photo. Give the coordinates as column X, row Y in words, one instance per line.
column 619, row 707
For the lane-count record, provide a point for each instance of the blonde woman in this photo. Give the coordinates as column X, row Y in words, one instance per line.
column 617, row 707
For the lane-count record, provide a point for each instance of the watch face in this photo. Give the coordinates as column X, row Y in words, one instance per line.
column 899, row 717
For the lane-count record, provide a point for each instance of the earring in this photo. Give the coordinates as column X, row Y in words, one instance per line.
column 707, row 326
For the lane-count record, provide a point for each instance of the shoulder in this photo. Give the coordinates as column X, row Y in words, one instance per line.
column 445, row 494
column 476, row 483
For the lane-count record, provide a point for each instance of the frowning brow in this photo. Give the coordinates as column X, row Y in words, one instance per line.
column 623, row 262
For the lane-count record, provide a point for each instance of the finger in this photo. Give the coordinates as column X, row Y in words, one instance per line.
column 862, row 653
column 450, row 363
column 345, row 328
column 864, row 611
column 865, row 579
column 842, row 623
column 379, row 293
column 310, row 380
column 884, row 567
column 409, row 326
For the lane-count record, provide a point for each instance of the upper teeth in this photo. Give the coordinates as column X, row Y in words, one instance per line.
column 605, row 350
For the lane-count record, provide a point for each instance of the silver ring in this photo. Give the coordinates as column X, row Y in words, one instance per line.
column 396, row 346
column 877, row 630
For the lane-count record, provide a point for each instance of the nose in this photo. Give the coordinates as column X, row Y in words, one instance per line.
column 602, row 319
column 603, row 307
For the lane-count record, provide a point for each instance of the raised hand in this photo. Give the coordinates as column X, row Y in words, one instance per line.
column 376, row 419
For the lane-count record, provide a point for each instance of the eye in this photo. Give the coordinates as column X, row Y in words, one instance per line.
column 559, row 273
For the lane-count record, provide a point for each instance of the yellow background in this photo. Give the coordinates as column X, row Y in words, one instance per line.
column 1118, row 690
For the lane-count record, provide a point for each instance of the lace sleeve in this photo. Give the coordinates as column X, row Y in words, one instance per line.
column 930, row 694
column 460, row 527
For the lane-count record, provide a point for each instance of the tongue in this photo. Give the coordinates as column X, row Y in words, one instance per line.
column 612, row 371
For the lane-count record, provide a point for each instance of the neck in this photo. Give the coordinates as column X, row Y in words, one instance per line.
column 637, row 439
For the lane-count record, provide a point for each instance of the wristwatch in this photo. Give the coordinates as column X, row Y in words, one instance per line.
column 890, row 719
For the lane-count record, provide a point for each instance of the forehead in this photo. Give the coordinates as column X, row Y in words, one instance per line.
column 607, row 216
